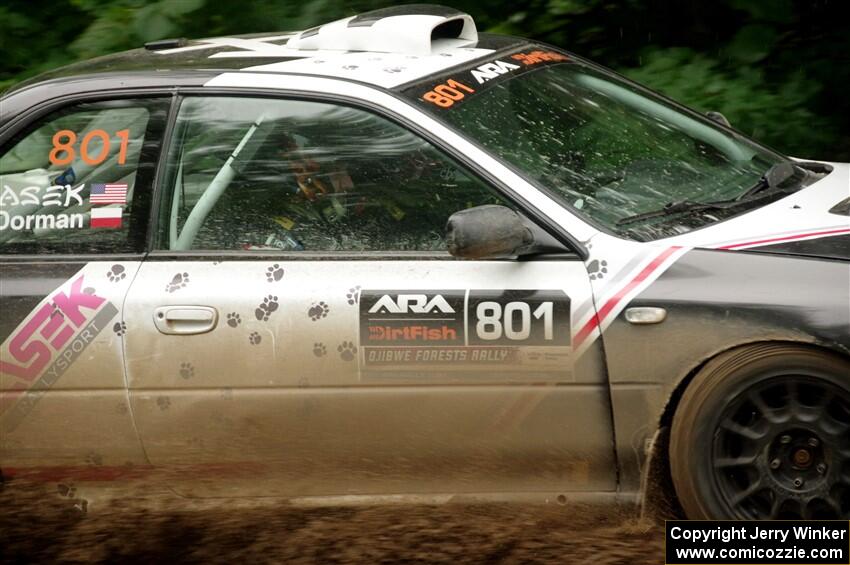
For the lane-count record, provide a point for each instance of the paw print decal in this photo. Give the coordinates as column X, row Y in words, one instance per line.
column 266, row 308
column 353, row 295
column 179, row 281
column 187, row 370
column 318, row 311
column 120, row 328
column 163, row 402
column 116, row 273
column 346, row 351
column 597, row 269
column 255, row 338
column 319, row 349
column 274, row 273
column 234, row 319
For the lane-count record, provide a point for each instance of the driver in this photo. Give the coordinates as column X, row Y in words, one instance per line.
column 313, row 195
column 319, row 203
column 309, row 178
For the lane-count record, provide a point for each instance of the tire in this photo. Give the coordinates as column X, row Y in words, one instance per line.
column 764, row 432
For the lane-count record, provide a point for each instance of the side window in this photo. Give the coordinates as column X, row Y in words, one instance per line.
column 78, row 181
column 270, row 174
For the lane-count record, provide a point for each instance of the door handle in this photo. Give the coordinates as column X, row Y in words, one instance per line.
column 185, row 320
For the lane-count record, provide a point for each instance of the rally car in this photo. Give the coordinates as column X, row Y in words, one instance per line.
column 393, row 256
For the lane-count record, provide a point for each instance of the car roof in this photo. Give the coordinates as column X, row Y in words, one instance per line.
column 384, row 48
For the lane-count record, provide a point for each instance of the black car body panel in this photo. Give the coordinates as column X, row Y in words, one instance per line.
column 716, row 301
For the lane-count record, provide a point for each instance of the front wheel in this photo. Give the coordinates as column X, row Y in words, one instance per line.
column 763, row 432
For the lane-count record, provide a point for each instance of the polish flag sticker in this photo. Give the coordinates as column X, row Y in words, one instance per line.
column 106, row 217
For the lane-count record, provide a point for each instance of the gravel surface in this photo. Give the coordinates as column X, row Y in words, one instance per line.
column 46, row 523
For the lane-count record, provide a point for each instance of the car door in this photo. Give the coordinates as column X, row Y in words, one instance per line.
column 300, row 320
column 75, row 189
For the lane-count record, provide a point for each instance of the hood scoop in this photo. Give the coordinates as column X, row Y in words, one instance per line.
column 411, row 30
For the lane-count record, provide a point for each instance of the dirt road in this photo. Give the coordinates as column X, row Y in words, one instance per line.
column 45, row 523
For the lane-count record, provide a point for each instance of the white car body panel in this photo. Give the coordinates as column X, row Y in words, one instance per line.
column 807, row 210
column 308, row 359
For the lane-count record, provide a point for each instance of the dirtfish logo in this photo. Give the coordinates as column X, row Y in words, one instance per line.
column 411, row 303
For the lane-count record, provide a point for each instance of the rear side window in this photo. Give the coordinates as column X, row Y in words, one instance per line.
column 78, row 181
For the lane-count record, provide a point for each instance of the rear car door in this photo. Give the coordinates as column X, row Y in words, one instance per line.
column 301, row 321
column 75, row 192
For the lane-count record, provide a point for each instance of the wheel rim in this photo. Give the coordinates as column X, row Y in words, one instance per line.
column 781, row 450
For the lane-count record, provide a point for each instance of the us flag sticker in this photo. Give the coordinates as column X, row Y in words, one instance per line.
column 110, row 193
column 106, row 217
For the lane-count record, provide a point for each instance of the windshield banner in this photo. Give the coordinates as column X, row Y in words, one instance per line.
column 453, row 88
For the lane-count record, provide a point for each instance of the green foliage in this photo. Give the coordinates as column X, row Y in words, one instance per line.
column 752, row 44
column 742, row 94
column 778, row 69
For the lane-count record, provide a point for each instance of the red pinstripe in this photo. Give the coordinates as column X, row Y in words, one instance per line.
column 597, row 318
column 784, row 238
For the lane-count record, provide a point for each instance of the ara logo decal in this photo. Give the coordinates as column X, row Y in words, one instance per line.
column 411, row 303
column 42, row 348
column 464, row 330
column 489, row 71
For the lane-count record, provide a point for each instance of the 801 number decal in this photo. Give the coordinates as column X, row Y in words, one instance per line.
column 446, row 94
column 64, row 153
column 531, row 317
column 495, row 321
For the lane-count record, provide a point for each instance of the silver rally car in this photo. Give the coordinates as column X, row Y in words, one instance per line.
column 391, row 255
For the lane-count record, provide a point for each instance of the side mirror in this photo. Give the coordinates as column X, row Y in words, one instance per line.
column 719, row 118
column 494, row 232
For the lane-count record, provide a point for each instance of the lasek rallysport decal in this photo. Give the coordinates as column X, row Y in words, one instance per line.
column 48, row 342
column 467, row 328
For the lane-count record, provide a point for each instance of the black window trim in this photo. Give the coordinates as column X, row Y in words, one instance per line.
column 41, row 109
column 177, row 93
column 580, row 252
column 44, row 108
column 29, row 258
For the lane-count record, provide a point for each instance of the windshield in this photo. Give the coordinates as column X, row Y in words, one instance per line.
column 597, row 143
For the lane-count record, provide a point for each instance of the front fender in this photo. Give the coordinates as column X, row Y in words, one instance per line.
column 715, row 301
